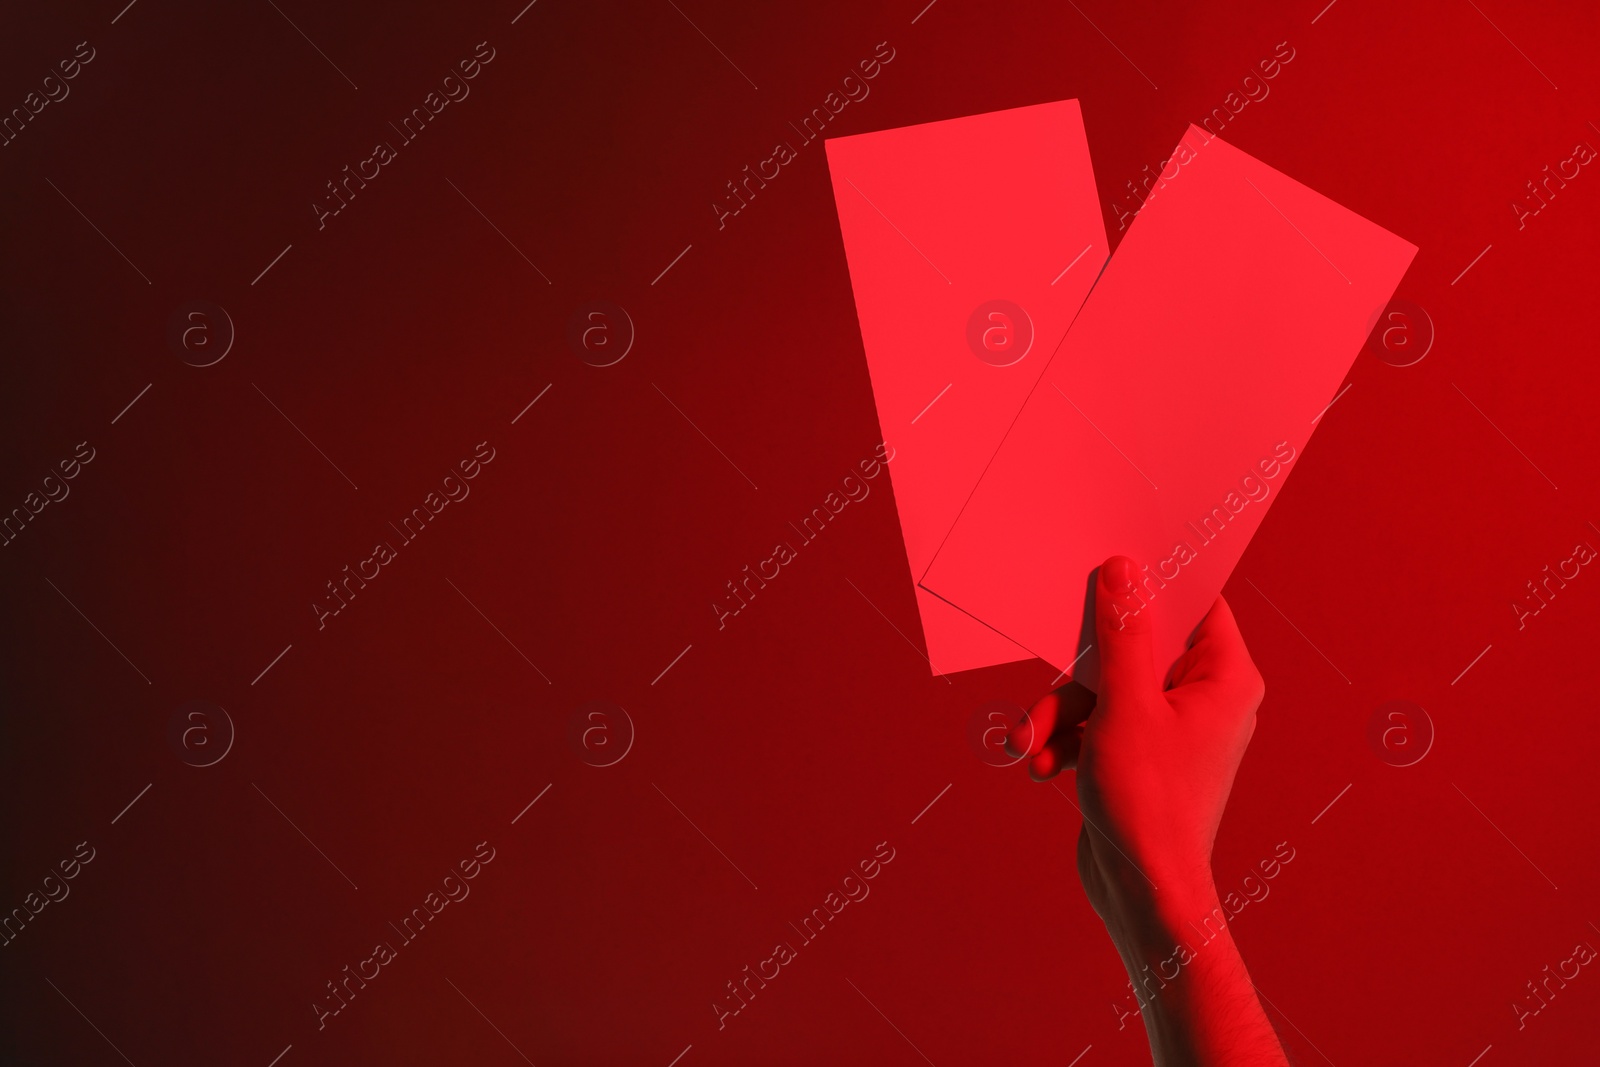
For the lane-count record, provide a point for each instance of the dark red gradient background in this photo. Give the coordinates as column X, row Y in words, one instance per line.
column 809, row 730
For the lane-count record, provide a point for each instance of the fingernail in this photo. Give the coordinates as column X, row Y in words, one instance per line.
column 1011, row 746
column 1118, row 574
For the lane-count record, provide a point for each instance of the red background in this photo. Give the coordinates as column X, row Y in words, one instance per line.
column 807, row 731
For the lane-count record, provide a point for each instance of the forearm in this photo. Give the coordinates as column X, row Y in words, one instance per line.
column 1199, row 1006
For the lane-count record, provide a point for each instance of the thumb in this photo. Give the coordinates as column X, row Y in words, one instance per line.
column 1123, row 628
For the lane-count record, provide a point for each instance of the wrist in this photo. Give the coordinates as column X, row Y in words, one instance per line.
column 1193, row 990
column 1160, row 933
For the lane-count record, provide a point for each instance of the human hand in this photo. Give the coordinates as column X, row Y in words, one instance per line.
column 1155, row 766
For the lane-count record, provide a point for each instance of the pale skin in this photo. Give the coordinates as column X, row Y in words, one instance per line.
column 1155, row 764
